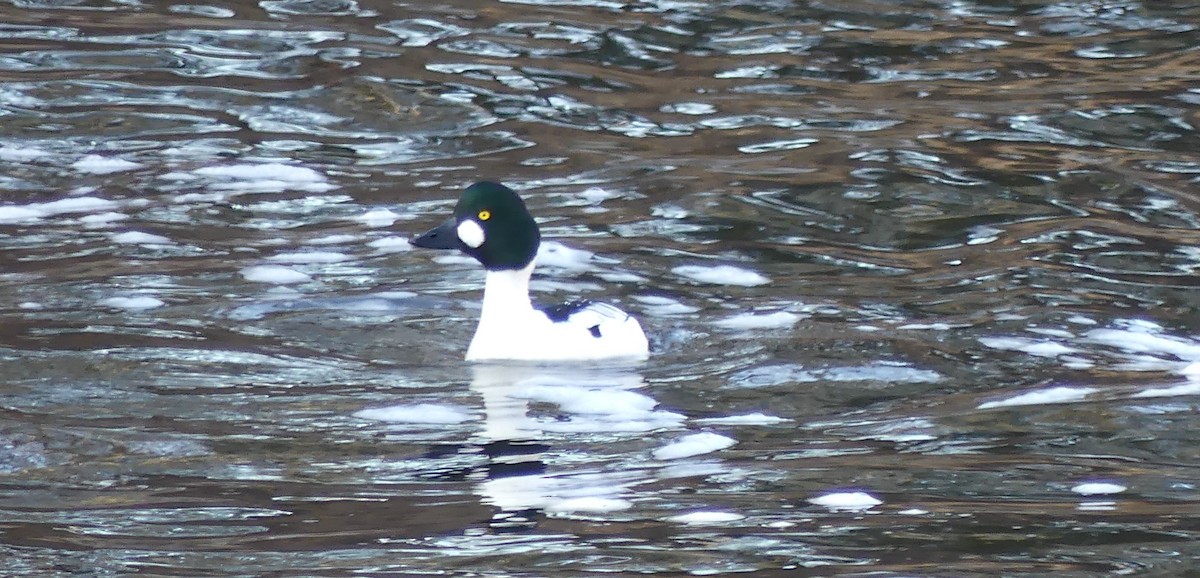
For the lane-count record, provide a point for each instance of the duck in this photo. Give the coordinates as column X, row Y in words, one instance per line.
column 491, row 224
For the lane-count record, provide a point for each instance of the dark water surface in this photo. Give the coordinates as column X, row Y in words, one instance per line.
column 921, row 281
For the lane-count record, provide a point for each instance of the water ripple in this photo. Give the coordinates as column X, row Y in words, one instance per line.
column 919, row 282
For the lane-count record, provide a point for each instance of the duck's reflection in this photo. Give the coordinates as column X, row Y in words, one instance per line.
column 527, row 406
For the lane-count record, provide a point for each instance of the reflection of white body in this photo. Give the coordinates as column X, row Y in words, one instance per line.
column 592, row 407
column 511, row 328
column 594, row 401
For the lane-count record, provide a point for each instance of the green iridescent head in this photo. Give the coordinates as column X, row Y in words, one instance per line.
column 491, row 224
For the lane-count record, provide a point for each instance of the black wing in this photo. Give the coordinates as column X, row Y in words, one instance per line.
column 585, row 314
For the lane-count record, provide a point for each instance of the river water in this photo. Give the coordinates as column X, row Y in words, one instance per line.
column 920, row 280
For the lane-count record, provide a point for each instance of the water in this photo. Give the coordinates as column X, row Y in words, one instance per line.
column 919, row 277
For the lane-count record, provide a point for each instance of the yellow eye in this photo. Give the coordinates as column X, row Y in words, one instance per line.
column 485, row 215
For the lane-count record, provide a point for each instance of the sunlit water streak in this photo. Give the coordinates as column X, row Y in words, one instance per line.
column 919, row 278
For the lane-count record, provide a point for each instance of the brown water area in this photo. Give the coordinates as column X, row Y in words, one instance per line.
column 920, row 280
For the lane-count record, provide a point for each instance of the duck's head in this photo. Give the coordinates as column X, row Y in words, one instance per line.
column 491, row 224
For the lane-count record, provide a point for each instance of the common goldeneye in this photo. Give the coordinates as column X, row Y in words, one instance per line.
column 491, row 224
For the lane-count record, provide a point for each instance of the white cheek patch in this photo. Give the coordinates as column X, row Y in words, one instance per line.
column 471, row 234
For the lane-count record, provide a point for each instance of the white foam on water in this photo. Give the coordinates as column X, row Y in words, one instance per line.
column 1052, row 332
column 744, row 419
column 340, row 239
column 390, row 245
column 395, row 294
column 421, row 413
column 596, row 195
column 982, row 234
column 1145, row 362
column 591, row 504
column 1035, row 347
column 101, row 165
column 15, row 214
column 1075, row 362
column 1098, row 489
column 1142, row 339
column 620, row 277
column 252, row 171
column 913, row 512
column 786, row 373
column 102, row 219
column 69, row 205
column 310, row 257
column 139, row 238
column 706, row 517
column 382, row 301
column 693, row 445
column 19, row 213
column 74, row 205
column 1189, row 388
column 721, row 275
column 846, row 501
column 776, row 320
column 271, row 186
column 377, row 218
column 890, row 372
column 21, row 154
column 197, row 198
column 663, row 306
column 926, row 326
column 900, row 430
column 136, row 303
column 691, row 469
column 1140, row 345
column 274, row 274
column 669, row 211
column 1052, row 395
column 264, row 178
column 555, row 254
column 692, row 108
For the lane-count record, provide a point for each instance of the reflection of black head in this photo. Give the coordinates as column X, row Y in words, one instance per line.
column 510, row 235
